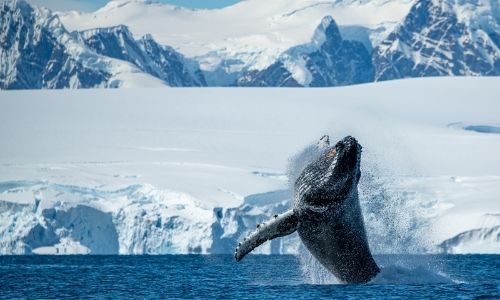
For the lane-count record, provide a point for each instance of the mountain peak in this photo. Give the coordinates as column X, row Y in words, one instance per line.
column 163, row 62
column 38, row 52
column 16, row 4
column 442, row 38
column 326, row 30
column 116, row 30
column 327, row 21
column 22, row 6
column 117, row 4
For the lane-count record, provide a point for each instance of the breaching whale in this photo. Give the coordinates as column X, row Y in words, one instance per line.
column 327, row 215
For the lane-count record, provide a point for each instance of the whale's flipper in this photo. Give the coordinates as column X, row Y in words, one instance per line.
column 281, row 225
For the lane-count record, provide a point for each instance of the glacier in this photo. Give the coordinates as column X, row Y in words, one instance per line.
column 482, row 240
column 156, row 171
column 137, row 219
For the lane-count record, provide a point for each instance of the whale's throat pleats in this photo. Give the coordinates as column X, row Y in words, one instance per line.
column 279, row 225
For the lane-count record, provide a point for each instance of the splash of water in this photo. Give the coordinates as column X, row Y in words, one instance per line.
column 397, row 222
column 410, row 269
column 313, row 271
column 394, row 270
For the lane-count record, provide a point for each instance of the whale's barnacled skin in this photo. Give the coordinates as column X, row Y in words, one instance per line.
column 327, row 215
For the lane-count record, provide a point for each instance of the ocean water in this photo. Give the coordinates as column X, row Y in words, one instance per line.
column 256, row 277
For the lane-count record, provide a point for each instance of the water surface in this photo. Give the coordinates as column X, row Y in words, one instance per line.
column 256, row 277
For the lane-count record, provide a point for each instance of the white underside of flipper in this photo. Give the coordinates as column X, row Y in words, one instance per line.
column 280, row 225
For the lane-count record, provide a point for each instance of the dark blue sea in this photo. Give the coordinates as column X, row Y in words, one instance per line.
column 256, row 277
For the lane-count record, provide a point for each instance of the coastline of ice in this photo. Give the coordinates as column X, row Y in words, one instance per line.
column 121, row 158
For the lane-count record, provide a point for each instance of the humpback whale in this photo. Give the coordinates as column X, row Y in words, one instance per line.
column 326, row 214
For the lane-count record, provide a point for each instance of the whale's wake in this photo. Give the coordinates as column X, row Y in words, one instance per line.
column 411, row 269
column 394, row 270
column 396, row 274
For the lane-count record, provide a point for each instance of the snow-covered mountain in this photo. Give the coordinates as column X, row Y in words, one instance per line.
column 152, row 58
column 328, row 60
column 260, row 31
column 406, row 38
column 436, row 38
column 37, row 52
column 442, row 37
column 279, row 43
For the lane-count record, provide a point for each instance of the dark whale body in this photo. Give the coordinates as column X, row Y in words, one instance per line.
column 327, row 215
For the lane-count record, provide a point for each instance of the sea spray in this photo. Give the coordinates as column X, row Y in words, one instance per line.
column 312, row 270
column 397, row 215
column 410, row 269
column 397, row 222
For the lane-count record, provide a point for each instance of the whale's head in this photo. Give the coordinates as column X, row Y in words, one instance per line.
column 331, row 177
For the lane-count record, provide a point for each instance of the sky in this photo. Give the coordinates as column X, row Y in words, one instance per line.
column 92, row 5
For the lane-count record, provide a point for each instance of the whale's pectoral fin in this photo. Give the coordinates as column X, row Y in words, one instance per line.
column 280, row 225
